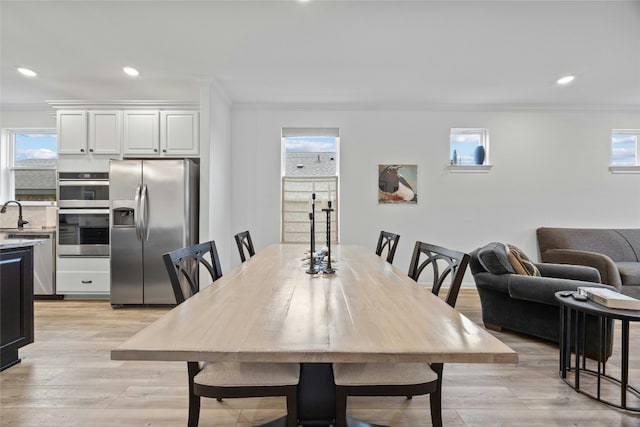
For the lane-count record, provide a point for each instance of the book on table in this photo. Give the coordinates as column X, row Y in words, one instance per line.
column 609, row 298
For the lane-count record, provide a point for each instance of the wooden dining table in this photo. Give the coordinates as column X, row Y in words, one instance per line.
column 269, row 310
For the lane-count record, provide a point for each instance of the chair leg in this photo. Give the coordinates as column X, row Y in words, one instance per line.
column 194, row 400
column 341, row 407
column 435, row 402
column 292, row 407
column 194, row 410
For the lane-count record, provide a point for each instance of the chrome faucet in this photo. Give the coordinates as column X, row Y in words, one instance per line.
column 21, row 222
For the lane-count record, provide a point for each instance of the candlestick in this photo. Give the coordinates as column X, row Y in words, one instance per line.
column 312, row 219
column 328, row 269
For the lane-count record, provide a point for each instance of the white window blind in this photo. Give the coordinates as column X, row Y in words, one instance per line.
column 296, row 197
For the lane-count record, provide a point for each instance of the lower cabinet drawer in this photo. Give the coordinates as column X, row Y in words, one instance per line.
column 82, row 282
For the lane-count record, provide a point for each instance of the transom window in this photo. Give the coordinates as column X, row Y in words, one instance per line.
column 469, row 146
column 624, row 147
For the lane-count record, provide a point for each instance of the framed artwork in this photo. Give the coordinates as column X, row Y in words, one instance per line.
column 397, row 184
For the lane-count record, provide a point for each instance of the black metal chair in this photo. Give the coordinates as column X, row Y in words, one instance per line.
column 388, row 241
column 225, row 379
column 244, row 242
column 405, row 379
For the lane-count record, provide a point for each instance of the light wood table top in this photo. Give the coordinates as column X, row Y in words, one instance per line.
column 269, row 310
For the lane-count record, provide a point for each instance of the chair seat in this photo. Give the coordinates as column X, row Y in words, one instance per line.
column 360, row 374
column 235, row 374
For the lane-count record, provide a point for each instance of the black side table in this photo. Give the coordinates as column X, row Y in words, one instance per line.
column 571, row 308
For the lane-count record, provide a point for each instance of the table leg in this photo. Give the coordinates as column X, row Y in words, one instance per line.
column 576, row 343
column 625, row 364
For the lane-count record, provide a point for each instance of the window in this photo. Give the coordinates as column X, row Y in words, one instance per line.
column 29, row 165
column 624, row 147
column 469, row 147
column 309, row 165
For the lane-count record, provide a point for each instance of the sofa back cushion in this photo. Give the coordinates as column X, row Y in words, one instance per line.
column 613, row 243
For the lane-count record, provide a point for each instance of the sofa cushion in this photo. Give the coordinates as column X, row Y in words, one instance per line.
column 629, row 272
column 494, row 257
column 521, row 262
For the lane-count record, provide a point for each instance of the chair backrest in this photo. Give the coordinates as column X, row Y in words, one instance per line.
column 183, row 266
column 443, row 263
column 243, row 240
column 388, row 241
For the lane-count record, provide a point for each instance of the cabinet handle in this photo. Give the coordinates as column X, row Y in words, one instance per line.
column 91, row 150
column 164, row 150
column 82, row 150
column 155, row 150
column 87, row 281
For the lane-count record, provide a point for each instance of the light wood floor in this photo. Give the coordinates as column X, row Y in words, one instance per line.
column 66, row 378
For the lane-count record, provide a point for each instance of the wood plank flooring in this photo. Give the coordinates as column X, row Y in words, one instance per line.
column 66, row 378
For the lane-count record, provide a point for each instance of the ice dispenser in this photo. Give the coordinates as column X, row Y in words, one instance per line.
column 123, row 214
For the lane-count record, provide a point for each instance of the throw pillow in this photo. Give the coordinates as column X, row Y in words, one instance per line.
column 521, row 262
column 494, row 257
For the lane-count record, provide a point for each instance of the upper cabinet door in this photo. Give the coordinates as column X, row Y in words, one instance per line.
column 179, row 133
column 72, row 132
column 105, row 132
column 141, row 132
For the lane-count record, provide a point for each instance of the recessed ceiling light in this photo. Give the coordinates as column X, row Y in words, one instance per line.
column 27, row 72
column 565, row 80
column 130, row 71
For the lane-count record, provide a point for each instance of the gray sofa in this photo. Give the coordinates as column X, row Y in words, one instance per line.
column 527, row 304
column 614, row 252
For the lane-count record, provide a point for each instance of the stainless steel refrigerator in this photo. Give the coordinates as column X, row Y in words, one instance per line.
column 153, row 210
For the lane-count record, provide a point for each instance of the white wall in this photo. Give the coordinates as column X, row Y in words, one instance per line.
column 45, row 118
column 550, row 169
column 218, row 172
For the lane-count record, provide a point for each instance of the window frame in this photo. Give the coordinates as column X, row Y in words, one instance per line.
column 8, row 167
column 484, row 142
column 635, row 168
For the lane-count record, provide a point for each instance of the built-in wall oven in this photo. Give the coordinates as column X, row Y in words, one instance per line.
column 83, row 214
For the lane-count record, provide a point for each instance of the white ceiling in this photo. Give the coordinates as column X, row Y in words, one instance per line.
column 368, row 53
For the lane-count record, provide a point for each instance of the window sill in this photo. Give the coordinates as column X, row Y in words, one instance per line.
column 624, row 169
column 470, row 168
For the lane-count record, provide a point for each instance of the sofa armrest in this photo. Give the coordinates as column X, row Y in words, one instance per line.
column 568, row 271
column 543, row 289
column 608, row 271
column 492, row 282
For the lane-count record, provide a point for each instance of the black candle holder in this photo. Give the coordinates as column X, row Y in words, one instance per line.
column 313, row 269
column 327, row 269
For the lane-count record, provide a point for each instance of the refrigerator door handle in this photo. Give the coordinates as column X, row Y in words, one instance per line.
column 136, row 214
column 145, row 213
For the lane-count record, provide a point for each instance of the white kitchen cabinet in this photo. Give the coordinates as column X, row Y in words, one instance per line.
column 105, row 132
column 179, row 133
column 83, row 276
column 141, row 132
column 72, row 132
column 89, row 132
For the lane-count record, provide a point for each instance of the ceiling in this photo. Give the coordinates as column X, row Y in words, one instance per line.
column 325, row 52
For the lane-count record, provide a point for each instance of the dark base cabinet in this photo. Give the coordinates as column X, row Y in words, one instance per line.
column 16, row 303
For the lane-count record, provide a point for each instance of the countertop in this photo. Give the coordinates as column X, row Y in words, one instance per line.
column 34, row 230
column 19, row 243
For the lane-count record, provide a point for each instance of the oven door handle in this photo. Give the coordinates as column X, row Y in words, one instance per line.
column 82, row 183
column 136, row 214
column 145, row 213
column 82, row 211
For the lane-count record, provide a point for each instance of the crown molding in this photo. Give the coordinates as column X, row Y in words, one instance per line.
column 436, row 107
column 122, row 104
